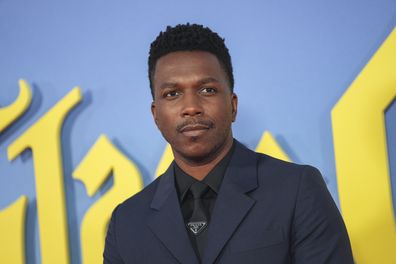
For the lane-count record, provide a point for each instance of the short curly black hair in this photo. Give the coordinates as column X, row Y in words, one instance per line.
column 189, row 37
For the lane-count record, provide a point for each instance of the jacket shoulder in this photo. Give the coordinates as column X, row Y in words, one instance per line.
column 286, row 178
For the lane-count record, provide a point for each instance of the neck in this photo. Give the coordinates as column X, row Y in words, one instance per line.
column 199, row 170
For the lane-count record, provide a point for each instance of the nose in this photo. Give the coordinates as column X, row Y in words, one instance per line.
column 192, row 105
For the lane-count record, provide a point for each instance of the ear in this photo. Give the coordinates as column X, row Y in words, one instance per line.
column 234, row 106
column 154, row 112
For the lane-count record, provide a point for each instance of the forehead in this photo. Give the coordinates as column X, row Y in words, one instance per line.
column 185, row 64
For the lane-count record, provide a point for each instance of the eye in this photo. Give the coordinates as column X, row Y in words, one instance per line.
column 208, row 90
column 171, row 94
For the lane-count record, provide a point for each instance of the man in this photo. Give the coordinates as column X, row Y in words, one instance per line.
column 218, row 202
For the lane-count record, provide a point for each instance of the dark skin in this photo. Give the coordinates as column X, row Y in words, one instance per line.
column 194, row 108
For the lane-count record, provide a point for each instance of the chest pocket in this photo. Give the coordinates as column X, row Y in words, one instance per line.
column 256, row 239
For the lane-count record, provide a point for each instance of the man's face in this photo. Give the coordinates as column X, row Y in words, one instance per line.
column 193, row 106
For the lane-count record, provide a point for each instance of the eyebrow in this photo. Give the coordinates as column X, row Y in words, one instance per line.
column 200, row 82
column 207, row 80
column 168, row 85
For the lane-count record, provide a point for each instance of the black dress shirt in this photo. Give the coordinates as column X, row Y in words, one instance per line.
column 213, row 180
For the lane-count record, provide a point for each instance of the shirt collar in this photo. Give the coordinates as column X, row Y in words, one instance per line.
column 213, row 179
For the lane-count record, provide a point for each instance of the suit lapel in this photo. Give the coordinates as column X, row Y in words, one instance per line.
column 166, row 220
column 232, row 203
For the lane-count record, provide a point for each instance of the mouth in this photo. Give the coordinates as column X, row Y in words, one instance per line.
column 194, row 130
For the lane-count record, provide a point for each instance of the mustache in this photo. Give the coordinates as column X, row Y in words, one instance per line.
column 194, row 122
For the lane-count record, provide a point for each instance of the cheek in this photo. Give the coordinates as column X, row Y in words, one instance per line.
column 226, row 112
column 165, row 121
column 224, row 118
column 162, row 122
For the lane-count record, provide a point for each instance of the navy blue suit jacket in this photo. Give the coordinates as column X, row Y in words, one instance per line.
column 267, row 211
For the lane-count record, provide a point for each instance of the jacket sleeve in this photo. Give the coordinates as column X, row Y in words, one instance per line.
column 111, row 254
column 318, row 233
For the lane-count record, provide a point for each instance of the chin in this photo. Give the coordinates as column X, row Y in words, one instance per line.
column 195, row 152
column 198, row 153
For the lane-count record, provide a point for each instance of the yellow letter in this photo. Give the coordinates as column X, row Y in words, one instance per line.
column 10, row 113
column 102, row 159
column 269, row 146
column 165, row 161
column 12, row 230
column 43, row 138
column 362, row 161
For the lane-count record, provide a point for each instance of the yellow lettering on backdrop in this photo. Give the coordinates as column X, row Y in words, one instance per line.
column 12, row 230
column 102, row 159
column 43, row 138
column 10, row 113
column 362, row 161
column 165, row 161
column 269, row 146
